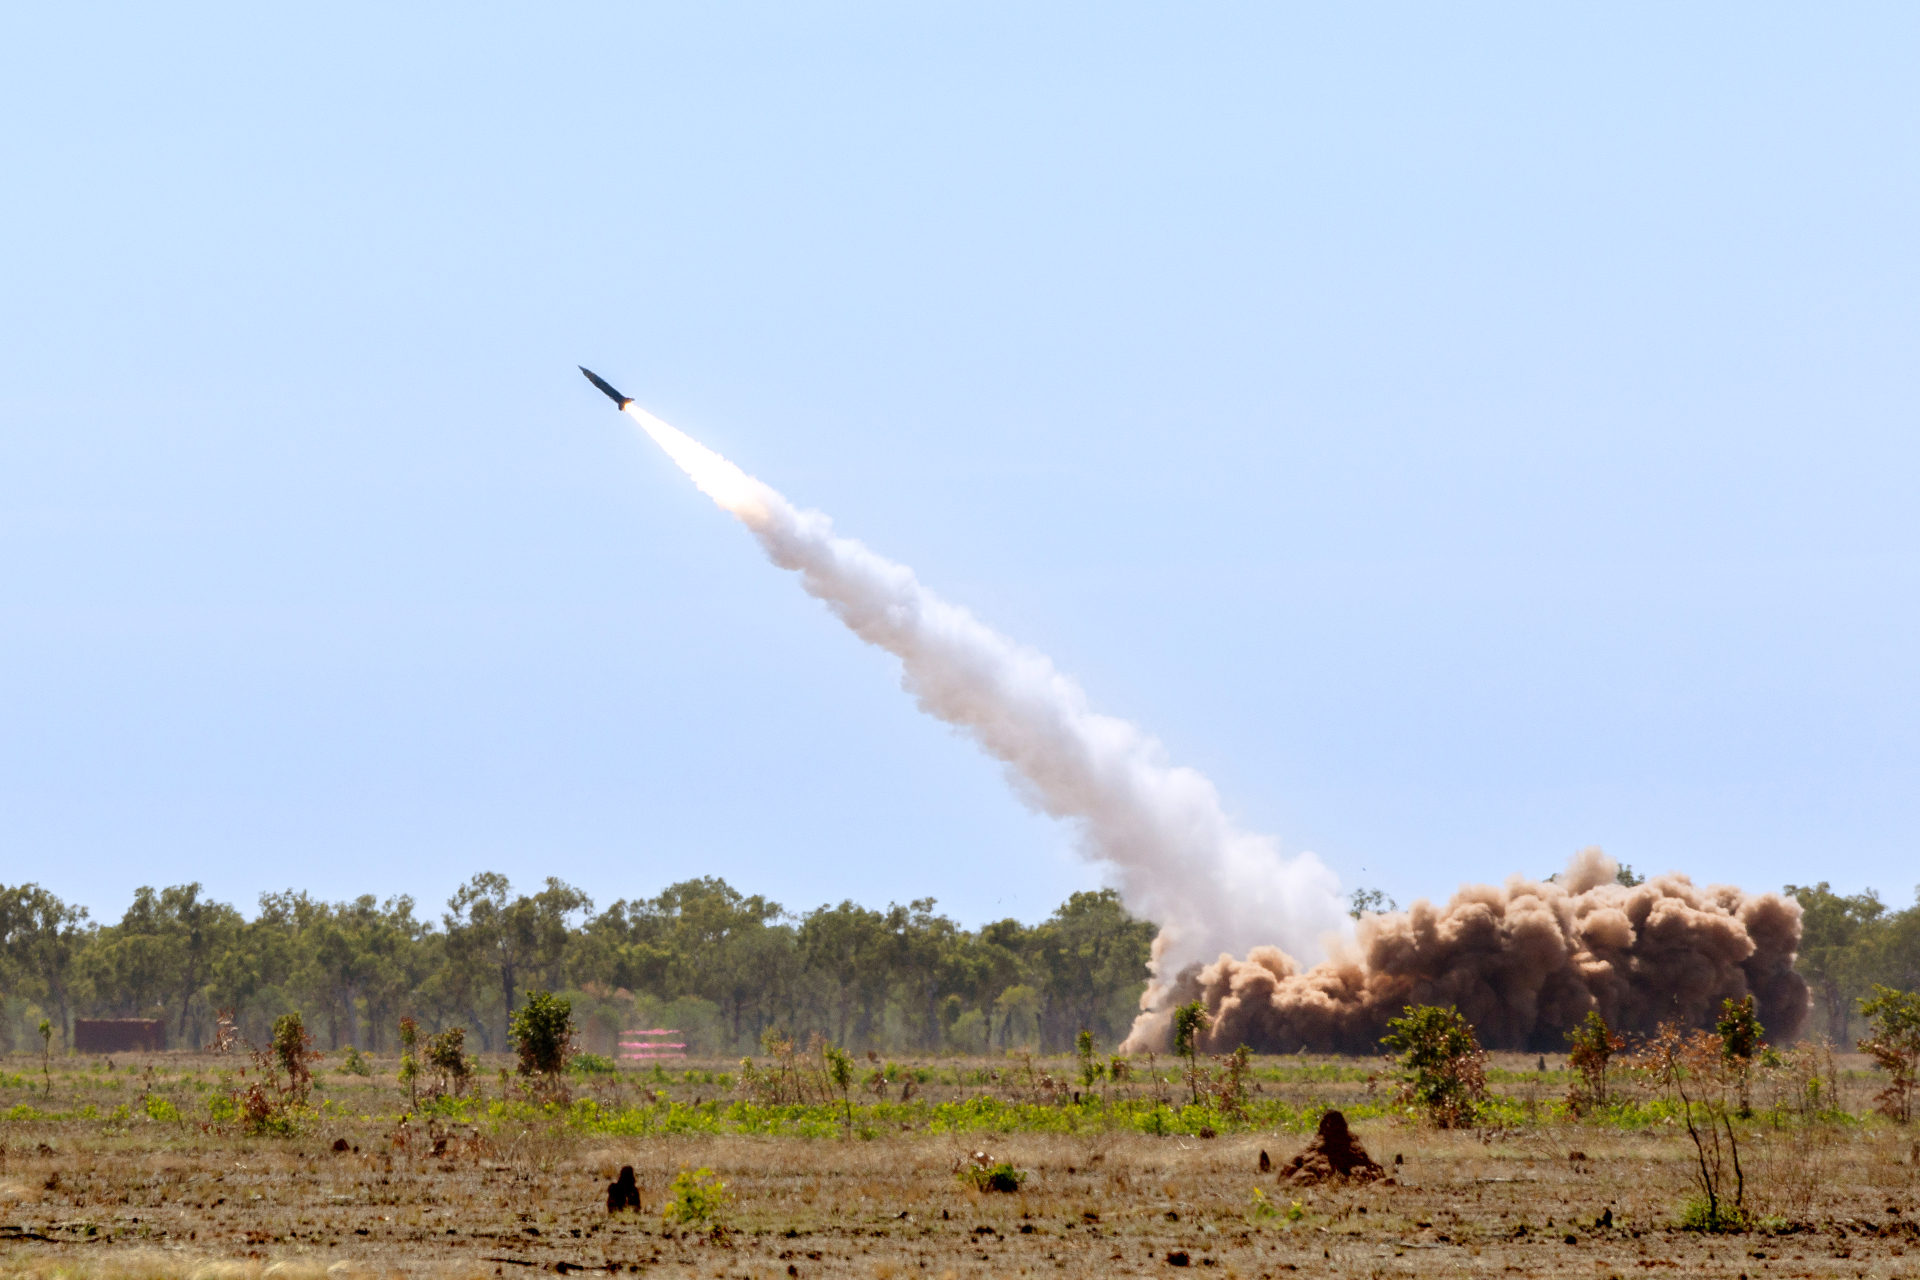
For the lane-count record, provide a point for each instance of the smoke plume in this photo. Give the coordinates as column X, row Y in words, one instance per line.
column 1173, row 854
column 1523, row 963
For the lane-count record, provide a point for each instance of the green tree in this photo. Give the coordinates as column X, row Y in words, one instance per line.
column 490, row 927
column 1090, row 956
column 201, row 931
column 42, row 943
column 846, row 951
column 1017, row 1006
column 1837, row 933
column 1369, row 901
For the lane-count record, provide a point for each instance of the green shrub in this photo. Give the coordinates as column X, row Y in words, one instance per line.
column 1439, row 1063
column 592, row 1064
column 1894, row 1046
column 293, row 1053
column 1713, row 1215
column 1593, row 1045
column 997, row 1176
column 409, row 1060
column 542, row 1032
column 696, row 1197
column 447, row 1054
column 1190, row 1022
column 355, row 1063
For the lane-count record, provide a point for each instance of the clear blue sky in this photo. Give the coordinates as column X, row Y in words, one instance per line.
column 1465, row 432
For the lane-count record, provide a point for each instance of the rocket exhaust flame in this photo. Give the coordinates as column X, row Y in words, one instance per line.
column 1159, row 829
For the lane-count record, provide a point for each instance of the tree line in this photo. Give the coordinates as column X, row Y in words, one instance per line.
column 1849, row 944
column 701, row 958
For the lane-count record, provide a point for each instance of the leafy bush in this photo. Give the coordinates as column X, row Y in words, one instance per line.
column 837, row 1064
column 986, row 1175
column 1439, row 1063
column 696, row 1197
column 1090, row 1070
column 293, row 1053
column 409, row 1059
column 1740, row 1038
column 355, row 1063
column 447, row 1055
column 542, row 1032
column 1894, row 1017
column 592, row 1064
column 1190, row 1022
column 1712, row 1214
column 1593, row 1045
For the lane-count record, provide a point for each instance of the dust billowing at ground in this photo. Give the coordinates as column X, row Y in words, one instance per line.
column 1524, row 962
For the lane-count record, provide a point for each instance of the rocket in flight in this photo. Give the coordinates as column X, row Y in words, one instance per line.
column 606, row 387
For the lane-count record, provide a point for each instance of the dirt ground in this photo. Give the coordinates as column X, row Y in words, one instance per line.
column 80, row 1198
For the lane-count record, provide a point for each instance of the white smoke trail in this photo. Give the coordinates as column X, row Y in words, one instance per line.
column 1174, row 854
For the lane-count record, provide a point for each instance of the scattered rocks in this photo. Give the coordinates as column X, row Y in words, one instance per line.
column 623, row 1193
column 1333, row 1153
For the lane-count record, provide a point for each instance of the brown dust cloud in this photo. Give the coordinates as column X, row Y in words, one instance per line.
column 1524, row 962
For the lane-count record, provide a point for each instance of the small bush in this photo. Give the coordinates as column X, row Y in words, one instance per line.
column 696, row 1197
column 1593, row 1045
column 293, row 1053
column 542, row 1032
column 1741, row 1036
column 1716, row 1216
column 995, row 1176
column 447, row 1054
column 592, row 1064
column 1894, row 1046
column 355, row 1063
column 410, row 1060
column 1439, row 1063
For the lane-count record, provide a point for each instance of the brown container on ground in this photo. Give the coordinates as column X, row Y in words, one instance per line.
column 118, row 1035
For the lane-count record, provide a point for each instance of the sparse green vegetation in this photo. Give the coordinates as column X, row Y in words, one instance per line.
column 984, row 1174
column 1592, row 1045
column 1439, row 1064
column 1893, row 1042
column 696, row 1198
column 542, row 1032
column 1123, row 1169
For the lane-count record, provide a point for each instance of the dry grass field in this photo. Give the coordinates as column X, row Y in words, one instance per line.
column 97, row 1179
